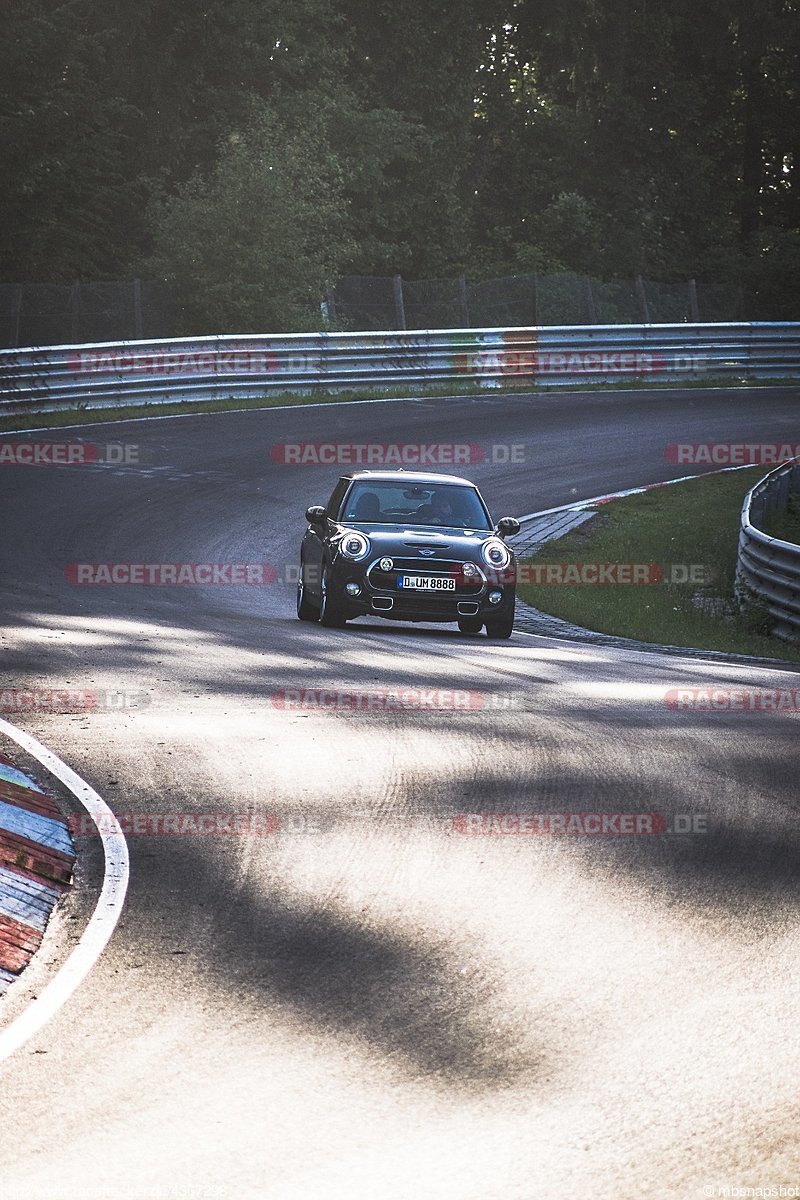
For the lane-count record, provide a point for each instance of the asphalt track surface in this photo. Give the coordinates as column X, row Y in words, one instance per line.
column 370, row 1003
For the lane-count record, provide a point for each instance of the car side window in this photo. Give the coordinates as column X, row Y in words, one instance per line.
column 365, row 502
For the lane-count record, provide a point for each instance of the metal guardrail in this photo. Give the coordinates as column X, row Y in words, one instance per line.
column 213, row 368
column 768, row 569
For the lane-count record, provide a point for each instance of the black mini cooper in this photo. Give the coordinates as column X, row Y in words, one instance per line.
column 408, row 547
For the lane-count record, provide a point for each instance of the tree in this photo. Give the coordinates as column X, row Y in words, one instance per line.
column 604, row 136
column 252, row 244
column 104, row 103
column 64, row 150
column 421, row 61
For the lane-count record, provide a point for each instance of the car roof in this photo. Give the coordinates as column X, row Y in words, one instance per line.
column 408, row 477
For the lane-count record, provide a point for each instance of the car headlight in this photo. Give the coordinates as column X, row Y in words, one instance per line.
column 354, row 545
column 496, row 554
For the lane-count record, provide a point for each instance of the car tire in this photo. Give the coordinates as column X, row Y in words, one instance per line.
column 470, row 624
column 306, row 611
column 501, row 627
column 330, row 615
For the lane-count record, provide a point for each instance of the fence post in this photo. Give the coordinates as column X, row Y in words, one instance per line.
column 694, row 307
column 644, row 308
column 399, row 305
column 591, row 307
column 782, row 492
column 74, row 312
column 138, row 324
column 16, row 313
column 462, row 296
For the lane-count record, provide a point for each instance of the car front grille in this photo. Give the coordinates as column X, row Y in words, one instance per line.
column 387, row 580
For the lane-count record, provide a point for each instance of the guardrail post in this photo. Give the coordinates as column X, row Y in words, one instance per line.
column 758, row 510
column 138, row 324
column 399, row 303
column 641, row 295
column 16, row 313
column 462, row 297
column 768, row 502
column 74, row 311
column 782, row 493
column 591, row 307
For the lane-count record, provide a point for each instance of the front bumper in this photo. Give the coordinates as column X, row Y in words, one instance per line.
column 380, row 597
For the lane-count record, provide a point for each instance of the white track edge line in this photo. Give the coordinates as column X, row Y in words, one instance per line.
column 107, row 912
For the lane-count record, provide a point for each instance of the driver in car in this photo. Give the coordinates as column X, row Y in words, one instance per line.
column 439, row 510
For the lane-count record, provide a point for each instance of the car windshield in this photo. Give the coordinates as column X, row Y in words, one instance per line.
column 378, row 502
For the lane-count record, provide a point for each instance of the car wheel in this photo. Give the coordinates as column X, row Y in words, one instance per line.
column 330, row 615
column 501, row 627
column 470, row 624
column 306, row 611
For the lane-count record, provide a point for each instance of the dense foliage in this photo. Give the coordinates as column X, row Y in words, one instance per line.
column 249, row 151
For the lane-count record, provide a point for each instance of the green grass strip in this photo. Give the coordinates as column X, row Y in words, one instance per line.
column 689, row 531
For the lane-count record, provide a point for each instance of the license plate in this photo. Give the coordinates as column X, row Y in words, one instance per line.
column 427, row 583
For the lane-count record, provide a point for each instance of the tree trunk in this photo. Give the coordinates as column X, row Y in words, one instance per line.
column 752, row 45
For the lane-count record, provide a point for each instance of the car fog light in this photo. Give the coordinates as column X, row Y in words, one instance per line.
column 353, row 589
column 495, row 597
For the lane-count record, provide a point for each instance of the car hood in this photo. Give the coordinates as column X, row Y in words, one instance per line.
column 440, row 538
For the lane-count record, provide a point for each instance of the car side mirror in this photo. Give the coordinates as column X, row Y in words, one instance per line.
column 507, row 526
column 315, row 515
